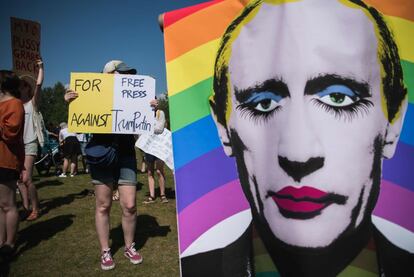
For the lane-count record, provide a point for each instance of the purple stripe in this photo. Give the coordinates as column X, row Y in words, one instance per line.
column 396, row 204
column 209, row 210
column 399, row 169
column 203, row 175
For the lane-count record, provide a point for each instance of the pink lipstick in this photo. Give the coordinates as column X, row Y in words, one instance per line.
column 304, row 202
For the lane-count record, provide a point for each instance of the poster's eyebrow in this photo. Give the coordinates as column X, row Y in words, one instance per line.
column 276, row 86
column 321, row 82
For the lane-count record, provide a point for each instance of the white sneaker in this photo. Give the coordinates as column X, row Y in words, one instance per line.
column 63, row 175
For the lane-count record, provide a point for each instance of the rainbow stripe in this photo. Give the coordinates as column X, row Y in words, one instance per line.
column 206, row 179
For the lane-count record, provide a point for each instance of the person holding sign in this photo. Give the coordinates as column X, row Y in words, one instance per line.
column 30, row 97
column 153, row 163
column 12, row 158
column 123, row 174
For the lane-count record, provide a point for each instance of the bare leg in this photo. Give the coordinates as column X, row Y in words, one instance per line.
column 9, row 212
column 27, row 180
column 127, row 195
column 65, row 165
column 84, row 165
column 143, row 166
column 159, row 167
column 24, row 194
column 151, row 180
column 103, row 194
column 3, row 235
column 73, row 164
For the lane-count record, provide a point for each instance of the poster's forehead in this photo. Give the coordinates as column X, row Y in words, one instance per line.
column 303, row 35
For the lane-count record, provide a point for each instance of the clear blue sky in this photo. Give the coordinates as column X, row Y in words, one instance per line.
column 82, row 35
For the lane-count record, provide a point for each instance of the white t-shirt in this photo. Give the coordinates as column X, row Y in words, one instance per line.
column 29, row 134
column 81, row 137
column 64, row 133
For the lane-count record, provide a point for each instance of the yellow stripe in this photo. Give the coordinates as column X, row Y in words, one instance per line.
column 183, row 71
column 404, row 36
column 352, row 271
column 192, row 67
column 263, row 263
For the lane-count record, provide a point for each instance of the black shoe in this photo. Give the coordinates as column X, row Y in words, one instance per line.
column 6, row 253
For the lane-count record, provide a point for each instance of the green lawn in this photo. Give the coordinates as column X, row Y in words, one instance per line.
column 63, row 241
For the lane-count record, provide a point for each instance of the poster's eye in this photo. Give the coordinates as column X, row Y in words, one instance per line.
column 338, row 96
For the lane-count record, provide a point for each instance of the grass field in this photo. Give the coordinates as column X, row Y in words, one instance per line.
column 63, row 241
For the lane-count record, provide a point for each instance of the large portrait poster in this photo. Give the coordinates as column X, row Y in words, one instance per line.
column 293, row 139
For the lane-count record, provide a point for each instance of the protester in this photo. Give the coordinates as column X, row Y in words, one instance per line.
column 104, row 177
column 12, row 158
column 71, row 150
column 153, row 163
column 30, row 97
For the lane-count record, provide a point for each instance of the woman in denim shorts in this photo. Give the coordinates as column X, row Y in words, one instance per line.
column 123, row 174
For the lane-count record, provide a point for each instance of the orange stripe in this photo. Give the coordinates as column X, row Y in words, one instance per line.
column 173, row 16
column 195, row 30
column 399, row 8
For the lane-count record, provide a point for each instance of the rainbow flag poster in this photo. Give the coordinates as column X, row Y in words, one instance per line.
column 232, row 221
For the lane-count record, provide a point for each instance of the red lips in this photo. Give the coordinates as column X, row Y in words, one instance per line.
column 300, row 200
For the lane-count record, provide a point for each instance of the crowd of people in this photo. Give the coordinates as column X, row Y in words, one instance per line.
column 22, row 132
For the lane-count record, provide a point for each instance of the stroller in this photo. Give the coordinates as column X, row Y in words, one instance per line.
column 49, row 155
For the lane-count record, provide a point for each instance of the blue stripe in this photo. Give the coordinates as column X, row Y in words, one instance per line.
column 194, row 140
column 209, row 172
column 407, row 134
column 399, row 169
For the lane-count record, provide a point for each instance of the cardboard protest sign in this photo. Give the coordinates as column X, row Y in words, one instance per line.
column 111, row 103
column 231, row 172
column 159, row 145
column 25, row 38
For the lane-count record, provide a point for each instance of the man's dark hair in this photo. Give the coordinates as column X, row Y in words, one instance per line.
column 392, row 81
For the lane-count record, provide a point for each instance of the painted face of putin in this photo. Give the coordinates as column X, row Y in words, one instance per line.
column 307, row 118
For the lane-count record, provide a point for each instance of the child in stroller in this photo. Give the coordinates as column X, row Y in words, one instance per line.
column 49, row 155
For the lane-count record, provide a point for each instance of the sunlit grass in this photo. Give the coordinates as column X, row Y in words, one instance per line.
column 63, row 241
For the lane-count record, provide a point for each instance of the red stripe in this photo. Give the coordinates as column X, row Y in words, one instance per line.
column 173, row 16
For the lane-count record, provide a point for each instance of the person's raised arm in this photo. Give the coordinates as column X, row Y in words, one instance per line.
column 39, row 83
column 160, row 124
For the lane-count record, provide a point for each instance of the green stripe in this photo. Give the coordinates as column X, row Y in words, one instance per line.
column 190, row 104
column 366, row 260
column 263, row 263
column 408, row 69
column 267, row 274
column 352, row 271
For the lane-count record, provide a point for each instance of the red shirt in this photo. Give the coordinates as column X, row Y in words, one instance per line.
column 11, row 134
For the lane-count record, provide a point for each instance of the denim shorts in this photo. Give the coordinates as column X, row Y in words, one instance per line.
column 30, row 149
column 124, row 173
column 8, row 175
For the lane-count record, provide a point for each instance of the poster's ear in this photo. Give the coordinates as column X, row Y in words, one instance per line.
column 222, row 132
column 393, row 133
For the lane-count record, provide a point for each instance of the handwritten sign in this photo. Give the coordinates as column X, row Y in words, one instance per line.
column 158, row 145
column 111, row 103
column 25, row 37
